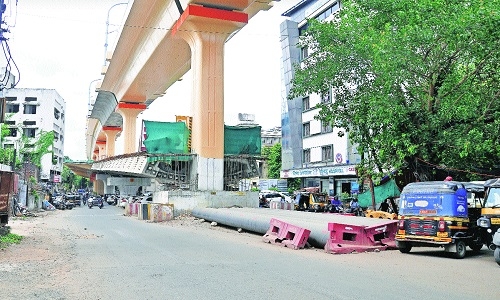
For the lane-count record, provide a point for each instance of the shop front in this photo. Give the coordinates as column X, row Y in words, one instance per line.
column 332, row 180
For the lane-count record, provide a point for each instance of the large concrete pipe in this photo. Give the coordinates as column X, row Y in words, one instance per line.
column 258, row 220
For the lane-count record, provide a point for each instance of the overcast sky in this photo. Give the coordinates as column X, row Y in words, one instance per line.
column 59, row 44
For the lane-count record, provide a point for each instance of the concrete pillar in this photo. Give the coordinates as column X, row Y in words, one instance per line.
column 111, row 132
column 101, row 180
column 98, row 187
column 101, row 145
column 95, row 155
column 206, row 30
column 129, row 112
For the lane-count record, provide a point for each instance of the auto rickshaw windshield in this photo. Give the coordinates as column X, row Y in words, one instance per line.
column 493, row 198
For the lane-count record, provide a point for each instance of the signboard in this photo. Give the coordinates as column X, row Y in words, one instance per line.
column 319, row 172
column 57, row 178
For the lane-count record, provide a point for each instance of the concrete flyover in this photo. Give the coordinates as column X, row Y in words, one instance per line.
column 161, row 40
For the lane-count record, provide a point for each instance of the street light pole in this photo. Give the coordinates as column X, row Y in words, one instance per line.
column 107, row 30
column 89, row 104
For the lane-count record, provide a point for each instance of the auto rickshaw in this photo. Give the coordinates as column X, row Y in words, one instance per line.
column 489, row 222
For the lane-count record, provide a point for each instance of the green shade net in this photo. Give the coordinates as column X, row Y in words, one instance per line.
column 382, row 192
column 242, row 140
column 166, row 137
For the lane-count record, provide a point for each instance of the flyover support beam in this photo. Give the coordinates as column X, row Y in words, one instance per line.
column 206, row 30
column 129, row 112
column 101, row 180
column 111, row 132
column 101, row 145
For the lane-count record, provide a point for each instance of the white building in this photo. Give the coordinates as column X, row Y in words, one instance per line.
column 311, row 149
column 32, row 111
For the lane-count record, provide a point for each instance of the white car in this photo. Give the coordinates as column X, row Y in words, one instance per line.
column 287, row 197
column 122, row 202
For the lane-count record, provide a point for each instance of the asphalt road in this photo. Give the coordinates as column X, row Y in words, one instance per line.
column 106, row 255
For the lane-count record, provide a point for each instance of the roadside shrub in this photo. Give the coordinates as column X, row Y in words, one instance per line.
column 9, row 239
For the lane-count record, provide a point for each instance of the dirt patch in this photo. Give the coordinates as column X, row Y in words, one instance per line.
column 37, row 267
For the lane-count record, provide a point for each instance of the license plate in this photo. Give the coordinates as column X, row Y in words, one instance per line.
column 495, row 220
column 442, row 234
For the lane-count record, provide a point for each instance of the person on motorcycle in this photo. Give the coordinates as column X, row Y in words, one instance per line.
column 354, row 206
column 336, row 204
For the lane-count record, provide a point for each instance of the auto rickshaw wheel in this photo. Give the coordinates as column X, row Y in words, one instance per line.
column 404, row 247
column 460, row 248
column 496, row 255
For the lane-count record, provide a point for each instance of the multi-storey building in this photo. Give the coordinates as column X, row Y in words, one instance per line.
column 270, row 137
column 311, row 149
column 33, row 111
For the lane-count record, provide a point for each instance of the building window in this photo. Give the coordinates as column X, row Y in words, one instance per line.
column 12, row 132
column 327, row 153
column 29, row 123
column 328, row 12
column 303, row 29
column 29, row 132
column 307, row 155
column 305, row 104
column 10, row 99
column 326, row 97
column 62, row 138
column 57, row 114
column 8, row 146
column 12, row 108
column 31, row 146
column 304, row 53
column 29, row 109
column 306, row 129
column 29, row 99
column 326, row 127
column 10, row 122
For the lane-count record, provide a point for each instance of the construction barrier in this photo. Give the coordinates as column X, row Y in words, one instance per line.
column 348, row 238
column 143, row 213
column 295, row 237
column 286, row 235
column 132, row 209
column 281, row 205
column 275, row 231
column 159, row 212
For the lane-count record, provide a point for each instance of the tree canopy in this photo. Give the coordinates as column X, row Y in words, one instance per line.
column 273, row 155
column 414, row 82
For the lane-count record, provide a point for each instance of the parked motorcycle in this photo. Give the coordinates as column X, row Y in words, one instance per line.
column 59, row 204
column 334, row 208
column 496, row 242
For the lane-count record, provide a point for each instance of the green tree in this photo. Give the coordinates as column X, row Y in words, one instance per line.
column 413, row 82
column 71, row 181
column 273, row 156
column 6, row 154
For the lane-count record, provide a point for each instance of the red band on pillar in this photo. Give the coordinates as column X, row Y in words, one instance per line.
column 131, row 105
column 212, row 13
column 112, row 128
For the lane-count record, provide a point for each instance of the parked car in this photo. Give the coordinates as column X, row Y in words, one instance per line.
column 147, row 198
column 266, row 198
column 287, row 197
column 111, row 199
